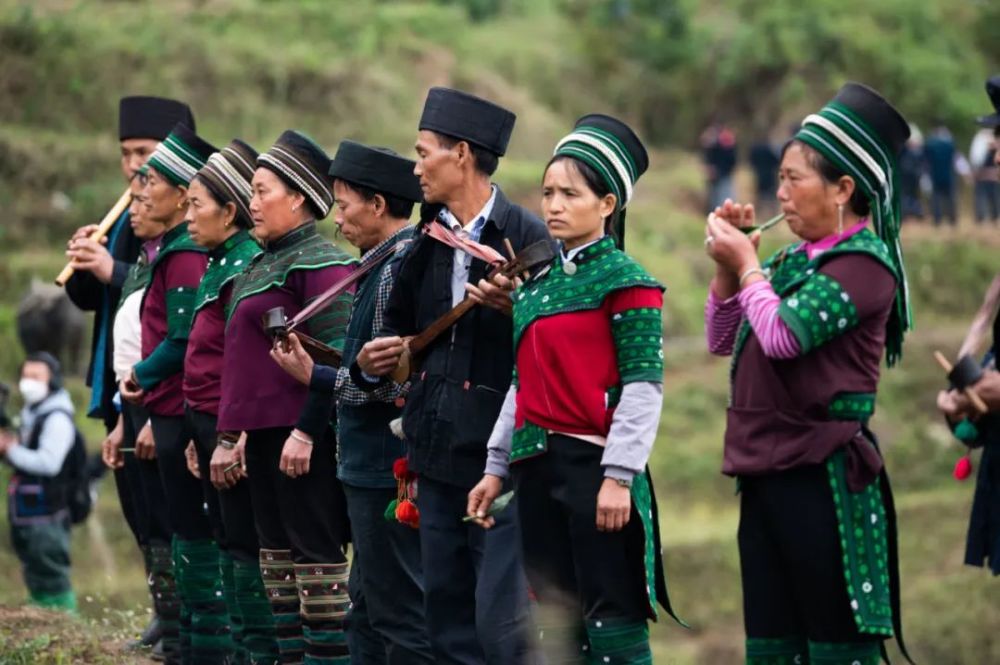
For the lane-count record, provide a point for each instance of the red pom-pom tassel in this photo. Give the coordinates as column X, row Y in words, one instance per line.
column 407, row 513
column 400, row 469
column 963, row 468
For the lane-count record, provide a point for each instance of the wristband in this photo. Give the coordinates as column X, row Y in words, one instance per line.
column 751, row 271
column 301, row 439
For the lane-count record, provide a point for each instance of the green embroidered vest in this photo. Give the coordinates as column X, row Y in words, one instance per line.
column 599, row 270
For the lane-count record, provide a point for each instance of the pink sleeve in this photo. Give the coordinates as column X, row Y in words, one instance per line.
column 761, row 303
column 722, row 321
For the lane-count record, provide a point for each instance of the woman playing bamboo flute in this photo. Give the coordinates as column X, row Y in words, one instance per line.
column 807, row 330
column 581, row 415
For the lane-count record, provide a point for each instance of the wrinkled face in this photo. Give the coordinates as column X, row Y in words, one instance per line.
column 37, row 370
column 209, row 223
column 163, row 199
column 142, row 226
column 356, row 218
column 572, row 211
column 437, row 167
column 274, row 207
column 134, row 153
column 808, row 201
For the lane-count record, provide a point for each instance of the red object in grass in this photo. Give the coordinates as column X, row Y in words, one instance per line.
column 407, row 513
column 963, row 468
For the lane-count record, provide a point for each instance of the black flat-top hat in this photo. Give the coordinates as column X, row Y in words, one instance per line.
column 303, row 166
column 469, row 118
column 380, row 169
column 151, row 117
column 880, row 115
column 993, row 90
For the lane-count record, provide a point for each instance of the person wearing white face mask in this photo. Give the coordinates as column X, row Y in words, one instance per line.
column 38, row 497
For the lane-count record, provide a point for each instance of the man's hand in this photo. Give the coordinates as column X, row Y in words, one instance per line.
column 481, row 497
column 295, row 455
column 145, row 446
column 191, row 458
column 380, row 356
column 494, row 293
column 131, row 391
column 90, row 255
column 295, row 361
column 988, row 388
column 614, row 506
column 111, row 453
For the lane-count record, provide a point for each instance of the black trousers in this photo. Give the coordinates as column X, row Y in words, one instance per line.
column 229, row 510
column 475, row 592
column 791, row 561
column 139, row 485
column 185, row 502
column 306, row 515
column 575, row 570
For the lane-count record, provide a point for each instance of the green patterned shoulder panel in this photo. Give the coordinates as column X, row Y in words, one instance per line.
column 225, row 269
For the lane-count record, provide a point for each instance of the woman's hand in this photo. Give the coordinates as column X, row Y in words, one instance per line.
column 130, row 389
column 614, row 506
column 111, row 453
column 295, row 361
column 223, row 474
column 732, row 249
column 191, row 457
column 481, row 497
column 295, row 455
column 145, row 446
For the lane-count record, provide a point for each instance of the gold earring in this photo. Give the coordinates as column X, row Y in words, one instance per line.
column 840, row 219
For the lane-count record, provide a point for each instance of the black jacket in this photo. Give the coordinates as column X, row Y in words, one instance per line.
column 456, row 395
column 91, row 295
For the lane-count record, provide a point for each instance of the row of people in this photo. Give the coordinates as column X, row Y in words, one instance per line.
column 551, row 385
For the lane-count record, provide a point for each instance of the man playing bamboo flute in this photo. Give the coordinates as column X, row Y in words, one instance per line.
column 374, row 192
column 474, row 585
column 101, row 272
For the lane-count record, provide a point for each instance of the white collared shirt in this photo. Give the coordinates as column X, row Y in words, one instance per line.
column 472, row 230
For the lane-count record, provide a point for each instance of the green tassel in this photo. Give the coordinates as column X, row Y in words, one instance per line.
column 390, row 512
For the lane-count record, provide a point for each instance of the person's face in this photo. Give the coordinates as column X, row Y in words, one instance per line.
column 572, row 211
column 808, row 201
column 359, row 221
column 437, row 167
column 134, row 153
column 275, row 208
column 142, row 226
column 209, row 224
column 37, row 370
column 162, row 199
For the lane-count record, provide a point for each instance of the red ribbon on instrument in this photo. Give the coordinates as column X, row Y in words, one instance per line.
column 340, row 287
column 442, row 233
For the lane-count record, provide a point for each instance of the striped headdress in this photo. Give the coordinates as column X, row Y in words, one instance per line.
column 228, row 174
column 303, row 166
column 612, row 149
column 862, row 134
column 179, row 156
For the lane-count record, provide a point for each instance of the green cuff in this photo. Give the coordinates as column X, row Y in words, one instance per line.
column 166, row 360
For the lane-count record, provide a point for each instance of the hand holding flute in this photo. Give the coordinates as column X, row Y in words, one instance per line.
column 86, row 249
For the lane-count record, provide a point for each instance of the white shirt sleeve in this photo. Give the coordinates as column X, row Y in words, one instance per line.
column 499, row 446
column 633, row 430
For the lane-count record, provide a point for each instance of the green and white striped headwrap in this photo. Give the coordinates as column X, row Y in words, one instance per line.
column 850, row 143
column 605, row 153
column 179, row 156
